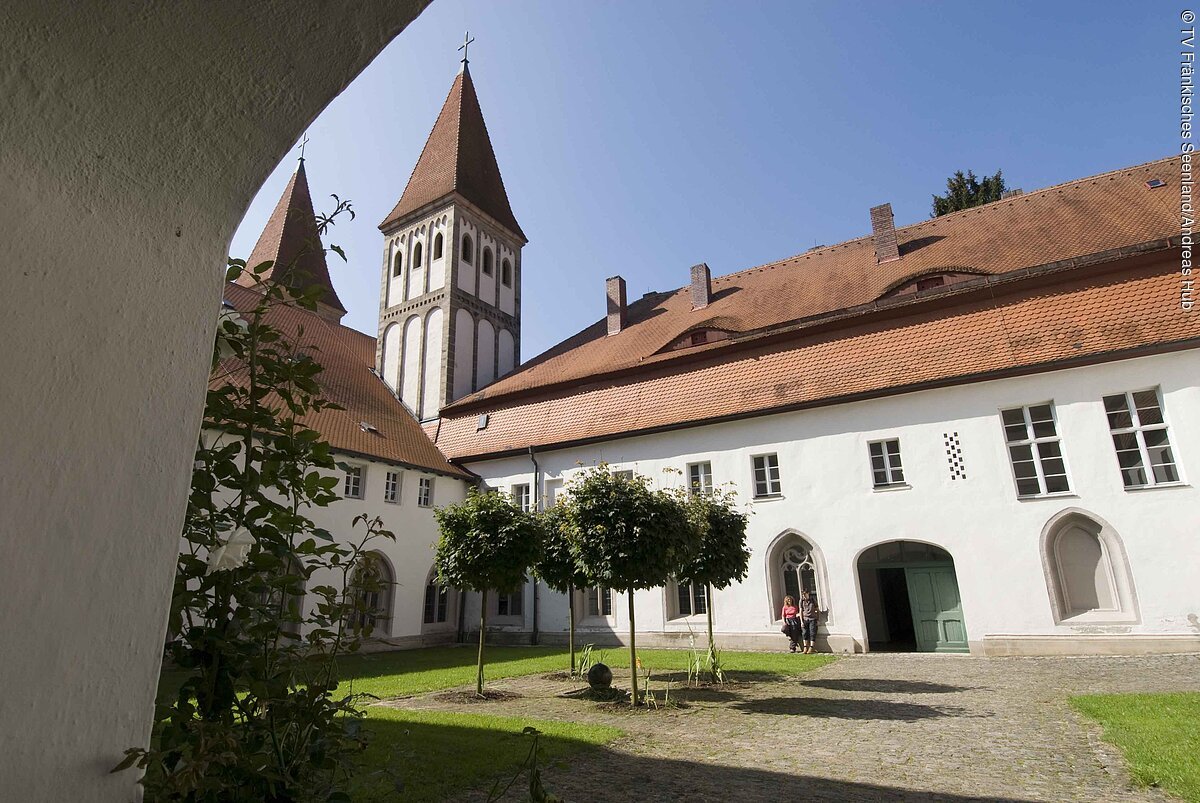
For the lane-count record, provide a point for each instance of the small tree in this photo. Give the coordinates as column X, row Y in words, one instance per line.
column 720, row 557
column 486, row 543
column 628, row 537
column 559, row 566
column 964, row 192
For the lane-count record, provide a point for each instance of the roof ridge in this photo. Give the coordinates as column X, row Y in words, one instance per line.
column 951, row 216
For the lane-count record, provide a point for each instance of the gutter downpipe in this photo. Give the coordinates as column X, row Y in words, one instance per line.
column 537, row 506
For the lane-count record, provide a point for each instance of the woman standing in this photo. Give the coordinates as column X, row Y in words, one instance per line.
column 790, row 615
column 809, row 614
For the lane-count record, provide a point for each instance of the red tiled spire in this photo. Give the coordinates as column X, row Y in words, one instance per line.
column 291, row 241
column 458, row 158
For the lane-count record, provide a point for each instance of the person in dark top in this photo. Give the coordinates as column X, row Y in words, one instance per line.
column 809, row 614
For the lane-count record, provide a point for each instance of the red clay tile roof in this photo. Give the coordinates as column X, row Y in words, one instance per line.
column 1088, row 315
column 346, row 356
column 291, row 241
column 1091, row 215
column 458, row 158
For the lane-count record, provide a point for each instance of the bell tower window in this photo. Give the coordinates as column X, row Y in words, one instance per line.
column 398, row 264
column 506, row 273
column 417, row 255
column 487, row 262
column 468, row 249
column 437, row 247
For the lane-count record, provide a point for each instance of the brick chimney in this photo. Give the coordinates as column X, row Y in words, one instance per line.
column 883, row 229
column 701, row 286
column 615, row 290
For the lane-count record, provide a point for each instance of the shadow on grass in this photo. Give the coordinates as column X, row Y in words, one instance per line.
column 434, row 755
column 841, row 708
column 885, row 686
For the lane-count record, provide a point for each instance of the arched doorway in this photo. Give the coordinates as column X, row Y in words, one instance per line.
column 910, row 598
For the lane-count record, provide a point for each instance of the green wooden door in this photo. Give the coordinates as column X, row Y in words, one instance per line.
column 936, row 608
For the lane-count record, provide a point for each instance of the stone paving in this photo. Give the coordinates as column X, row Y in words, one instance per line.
column 866, row 728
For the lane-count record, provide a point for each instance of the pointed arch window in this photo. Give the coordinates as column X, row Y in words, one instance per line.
column 1087, row 573
column 506, row 277
column 795, row 565
column 487, row 262
column 437, row 246
column 398, row 264
column 468, row 249
column 372, row 586
column 437, row 601
column 417, row 255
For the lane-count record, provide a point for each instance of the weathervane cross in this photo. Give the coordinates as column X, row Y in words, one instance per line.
column 303, row 142
column 466, row 41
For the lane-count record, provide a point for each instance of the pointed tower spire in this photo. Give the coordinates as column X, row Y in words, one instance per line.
column 458, row 158
column 291, row 241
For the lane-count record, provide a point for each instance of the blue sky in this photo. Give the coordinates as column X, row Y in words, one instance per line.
column 639, row 138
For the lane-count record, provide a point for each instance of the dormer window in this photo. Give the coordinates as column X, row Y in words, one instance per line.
column 487, row 262
column 929, row 281
column 468, row 249
column 697, row 337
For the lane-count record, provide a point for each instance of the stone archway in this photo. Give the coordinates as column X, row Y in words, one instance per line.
column 910, row 600
column 133, row 144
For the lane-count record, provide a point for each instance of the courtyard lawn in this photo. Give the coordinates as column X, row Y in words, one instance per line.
column 1158, row 733
column 407, row 672
column 435, row 755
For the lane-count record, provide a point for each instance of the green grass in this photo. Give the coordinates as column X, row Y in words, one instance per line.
column 1158, row 733
column 435, row 754
column 407, row 672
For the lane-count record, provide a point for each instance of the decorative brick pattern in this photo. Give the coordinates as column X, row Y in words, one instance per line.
column 954, row 456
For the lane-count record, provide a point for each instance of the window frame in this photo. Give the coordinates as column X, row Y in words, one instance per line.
column 440, row 606
column 519, row 493
column 467, row 254
column 1137, row 429
column 506, row 272
column 694, row 487
column 696, row 592
column 393, row 484
column 890, row 472
column 1033, row 442
column 486, row 262
column 398, row 264
column 425, row 492
column 438, row 248
column 778, row 482
column 358, row 472
column 592, row 594
column 508, row 598
column 418, row 257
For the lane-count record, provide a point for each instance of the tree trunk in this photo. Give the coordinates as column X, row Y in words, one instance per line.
column 571, row 625
column 634, row 698
column 712, row 647
column 482, row 633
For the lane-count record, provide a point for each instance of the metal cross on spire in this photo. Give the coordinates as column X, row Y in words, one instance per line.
column 467, row 40
column 303, row 142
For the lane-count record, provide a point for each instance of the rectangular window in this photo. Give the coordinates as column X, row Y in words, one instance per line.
column 693, row 599
column 510, row 603
column 391, row 487
column 627, row 473
column 436, row 602
column 699, row 478
column 554, row 492
column 885, row 463
column 599, row 601
column 1034, row 450
column 425, row 492
column 353, row 488
column 520, row 497
column 766, row 476
column 1139, row 434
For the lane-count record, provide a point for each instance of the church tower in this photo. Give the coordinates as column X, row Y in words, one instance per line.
column 450, row 297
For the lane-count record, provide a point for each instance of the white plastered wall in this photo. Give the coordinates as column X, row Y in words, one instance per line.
column 993, row 536
column 133, row 143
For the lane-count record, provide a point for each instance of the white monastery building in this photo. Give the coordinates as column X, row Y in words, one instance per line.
column 972, row 434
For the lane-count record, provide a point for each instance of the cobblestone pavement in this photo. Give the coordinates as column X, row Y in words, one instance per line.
column 873, row 727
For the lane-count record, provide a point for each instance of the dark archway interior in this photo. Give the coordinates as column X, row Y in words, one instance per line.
column 885, row 592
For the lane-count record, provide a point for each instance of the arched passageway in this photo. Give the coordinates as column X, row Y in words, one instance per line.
column 910, row 598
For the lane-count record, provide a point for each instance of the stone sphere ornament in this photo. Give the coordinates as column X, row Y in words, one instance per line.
column 599, row 677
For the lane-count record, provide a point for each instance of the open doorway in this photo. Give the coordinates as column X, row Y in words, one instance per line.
column 910, row 599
